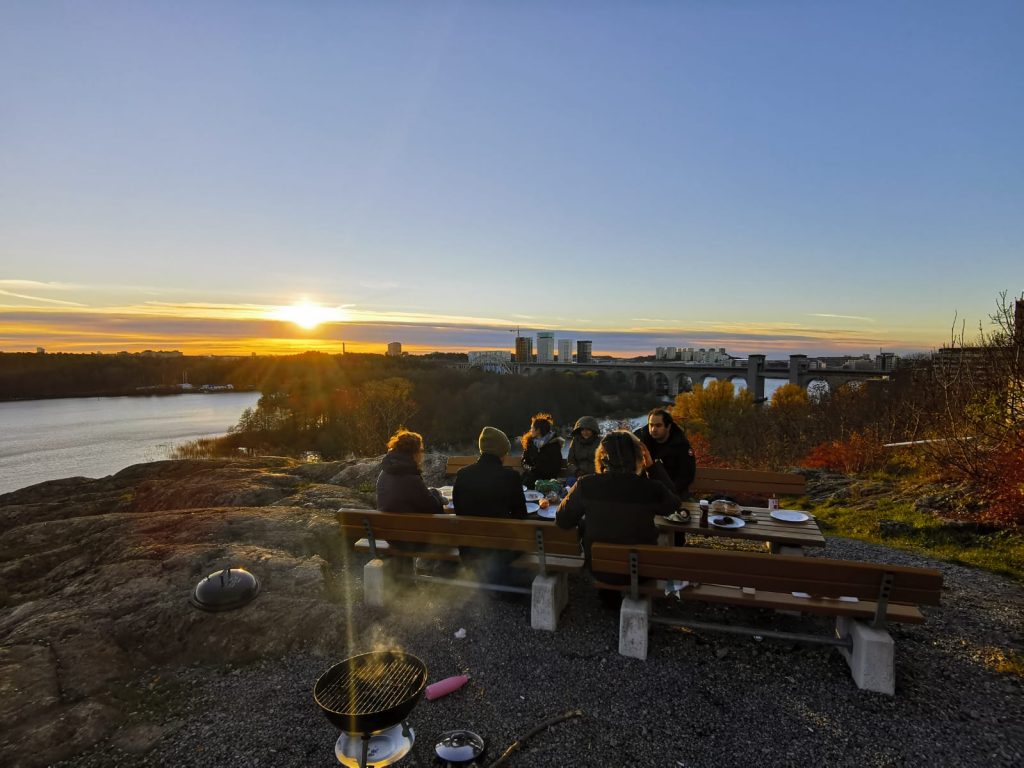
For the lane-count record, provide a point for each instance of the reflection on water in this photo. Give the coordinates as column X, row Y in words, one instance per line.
column 97, row 436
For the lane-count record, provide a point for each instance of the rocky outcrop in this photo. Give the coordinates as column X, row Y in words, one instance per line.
column 96, row 575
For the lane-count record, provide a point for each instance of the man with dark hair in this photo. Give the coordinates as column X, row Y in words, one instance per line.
column 668, row 444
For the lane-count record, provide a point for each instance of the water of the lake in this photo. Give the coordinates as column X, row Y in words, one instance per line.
column 97, row 436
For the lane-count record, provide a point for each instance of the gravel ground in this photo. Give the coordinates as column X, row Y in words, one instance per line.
column 698, row 700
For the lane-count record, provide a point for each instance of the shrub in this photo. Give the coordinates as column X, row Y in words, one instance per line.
column 857, row 453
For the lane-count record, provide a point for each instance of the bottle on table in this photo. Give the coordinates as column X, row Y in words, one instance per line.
column 773, row 502
column 703, row 513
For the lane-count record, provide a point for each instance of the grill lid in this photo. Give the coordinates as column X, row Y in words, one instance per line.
column 225, row 590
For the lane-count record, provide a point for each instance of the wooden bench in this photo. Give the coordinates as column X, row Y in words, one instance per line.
column 550, row 551
column 863, row 597
column 746, row 484
column 455, row 463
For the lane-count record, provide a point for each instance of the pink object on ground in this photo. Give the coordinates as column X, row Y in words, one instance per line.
column 446, row 686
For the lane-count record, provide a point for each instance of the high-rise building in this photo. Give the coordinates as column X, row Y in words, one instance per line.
column 395, row 349
column 565, row 350
column 524, row 349
column 545, row 347
column 583, row 351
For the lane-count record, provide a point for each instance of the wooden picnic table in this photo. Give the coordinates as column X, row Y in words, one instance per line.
column 758, row 526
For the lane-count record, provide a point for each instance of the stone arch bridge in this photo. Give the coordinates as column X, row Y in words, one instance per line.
column 671, row 378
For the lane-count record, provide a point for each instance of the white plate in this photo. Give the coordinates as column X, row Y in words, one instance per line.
column 525, row 488
column 789, row 515
column 548, row 514
column 533, row 495
column 446, row 490
column 531, row 507
column 715, row 520
column 449, row 505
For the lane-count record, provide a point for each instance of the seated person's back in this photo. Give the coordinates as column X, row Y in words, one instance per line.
column 490, row 489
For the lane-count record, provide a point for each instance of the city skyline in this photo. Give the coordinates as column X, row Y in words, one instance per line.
column 771, row 178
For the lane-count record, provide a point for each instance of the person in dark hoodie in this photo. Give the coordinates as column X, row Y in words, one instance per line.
column 542, row 451
column 618, row 504
column 400, row 486
column 668, row 446
column 586, row 436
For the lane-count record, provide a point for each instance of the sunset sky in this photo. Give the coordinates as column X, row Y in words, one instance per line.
column 766, row 176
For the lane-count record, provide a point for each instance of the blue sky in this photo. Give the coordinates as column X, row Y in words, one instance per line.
column 765, row 176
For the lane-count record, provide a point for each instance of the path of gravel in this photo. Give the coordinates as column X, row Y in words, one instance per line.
column 698, row 700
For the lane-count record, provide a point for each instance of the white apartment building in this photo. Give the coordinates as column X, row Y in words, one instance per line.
column 545, row 347
column 565, row 351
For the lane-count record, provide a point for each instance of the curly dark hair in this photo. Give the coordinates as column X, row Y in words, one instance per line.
column 620, row 452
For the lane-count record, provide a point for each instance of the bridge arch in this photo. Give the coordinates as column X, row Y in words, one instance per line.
column 706, row 379
column 684, row 383
column 819, row 388
column 620, row 380
column 641, row 383
column 661, row 385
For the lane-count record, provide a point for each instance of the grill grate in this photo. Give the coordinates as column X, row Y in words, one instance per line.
column 370, row 684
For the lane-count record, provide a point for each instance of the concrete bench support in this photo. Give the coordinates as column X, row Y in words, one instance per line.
column 871, row 659
column 378, row 579
column 548, row 597
column 634, row 621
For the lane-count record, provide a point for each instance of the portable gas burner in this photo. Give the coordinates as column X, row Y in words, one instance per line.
column 369, row 698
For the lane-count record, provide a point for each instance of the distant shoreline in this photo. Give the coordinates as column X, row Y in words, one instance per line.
column 148, row 392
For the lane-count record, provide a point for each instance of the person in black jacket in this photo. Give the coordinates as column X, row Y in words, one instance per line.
column 586, row 436
column 668, row 445
column 400, row 486
column 542, row 451
column 490, row 489
column 619, row 503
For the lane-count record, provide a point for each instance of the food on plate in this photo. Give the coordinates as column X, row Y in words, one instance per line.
column 724, row 520
column 544, row 503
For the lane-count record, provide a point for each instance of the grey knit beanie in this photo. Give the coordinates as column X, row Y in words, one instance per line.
column 494, row 441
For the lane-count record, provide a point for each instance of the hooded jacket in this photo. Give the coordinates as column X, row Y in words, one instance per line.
column 581, row 451
column 400, row 486
column 675, row 453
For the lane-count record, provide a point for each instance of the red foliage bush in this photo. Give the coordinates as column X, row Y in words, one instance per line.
column 702, row 451
column 1004, row 486
column 857, row 453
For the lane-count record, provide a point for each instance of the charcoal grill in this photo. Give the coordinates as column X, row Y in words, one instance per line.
column 369, row 698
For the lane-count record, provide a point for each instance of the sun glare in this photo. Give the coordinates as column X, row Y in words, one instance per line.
column 307, row 315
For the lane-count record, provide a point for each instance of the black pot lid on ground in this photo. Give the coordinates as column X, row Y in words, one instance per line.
column 459, row 747
column 225, row 590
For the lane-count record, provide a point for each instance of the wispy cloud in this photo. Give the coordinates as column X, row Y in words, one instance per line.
column 43, row 299
column 843, row 317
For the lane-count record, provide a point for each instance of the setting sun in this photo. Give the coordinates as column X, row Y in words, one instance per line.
column 307, row 315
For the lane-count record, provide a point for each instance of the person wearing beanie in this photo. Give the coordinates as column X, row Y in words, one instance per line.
column 488, row 488
column 494, row 442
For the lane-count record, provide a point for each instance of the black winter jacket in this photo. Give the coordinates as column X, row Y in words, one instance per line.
column 618, row 508
column 489, row 489
column 400, row 487
column 675, row 453
column 543, row 463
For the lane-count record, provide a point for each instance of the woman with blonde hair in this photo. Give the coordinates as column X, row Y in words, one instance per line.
column 619, row 503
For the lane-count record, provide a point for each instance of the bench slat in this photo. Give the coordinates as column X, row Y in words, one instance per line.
column 716, row 593
column 453, row 530
column 451, row 554
column 557, row 563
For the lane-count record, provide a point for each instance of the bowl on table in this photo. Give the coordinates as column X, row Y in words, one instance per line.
column 725, row 507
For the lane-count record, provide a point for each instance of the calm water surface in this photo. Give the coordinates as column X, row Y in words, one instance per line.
column 97, row 436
